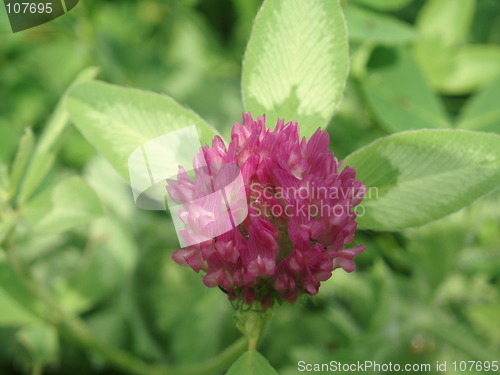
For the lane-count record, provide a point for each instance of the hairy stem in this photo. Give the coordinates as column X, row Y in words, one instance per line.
column 252, row 323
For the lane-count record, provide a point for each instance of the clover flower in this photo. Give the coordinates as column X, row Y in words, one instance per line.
column 283, row 228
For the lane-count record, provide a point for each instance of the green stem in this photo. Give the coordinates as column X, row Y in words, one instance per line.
column 75, row 329
column 37, row 369
column 252, row 323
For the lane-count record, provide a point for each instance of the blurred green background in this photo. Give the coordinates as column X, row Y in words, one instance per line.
column 420, row 295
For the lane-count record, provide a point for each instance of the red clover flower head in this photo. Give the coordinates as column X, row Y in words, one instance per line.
column 297, row 216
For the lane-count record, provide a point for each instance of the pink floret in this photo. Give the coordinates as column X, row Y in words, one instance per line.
column 300, row 214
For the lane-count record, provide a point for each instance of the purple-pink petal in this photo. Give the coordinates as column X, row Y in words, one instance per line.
column 299, row 218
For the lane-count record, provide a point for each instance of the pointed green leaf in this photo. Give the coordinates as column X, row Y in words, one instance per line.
column 12, row 313
column 449, row 64
column 366, row 25
column 69, row 203
column 469, row 68
column 446, row 20
column 482, row 112
column 17, row 305
column 420, row 176
column 116, row 120
column 7, row 223
column 46, row 149
column 251, row 363
column 385, row 4
column 398, row 93
column 296, row 62
column 21, row 160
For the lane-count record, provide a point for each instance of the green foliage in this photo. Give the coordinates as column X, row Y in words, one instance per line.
column 398, row 93
column 384, row 5
column 117, row 120
column 251, row 363
column 294, row 68
column 482, row 111
column 74, row 246
column 6, row 225
column 18, row 306
column 41, row 342
column 451, row 65
column 69, row 203
column 109, row 258
column 368, row 26
column 21, row 160
column 421, row 176
column 45, row 153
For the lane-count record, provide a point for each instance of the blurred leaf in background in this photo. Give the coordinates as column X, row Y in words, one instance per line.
column 419, row 295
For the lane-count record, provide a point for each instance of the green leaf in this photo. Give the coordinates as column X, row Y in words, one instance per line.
column 160, row 282
column 482, row 111
column 446, row 329
column 433, row 248
column 41, row 342
column 17, row 304
column 7, row 223
column 11, row 313
column 9, row 137
column 353, row 124
column 21, row 160
column 469, row 68
column 110, row 326
column 204, row 319
column 385, row 4
column 46, row 149
column 69, row 203
column 484, row 317
column 360, row 55
column 366, row 25
column 4, row 24
column 296, row 62
column 110, row 256
column 113, row 191
column 416, row 177
column 446, row 20
column 450, row 65
column 251, row 363
column 398, row 93
column 117, row 120
column 4, row 182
